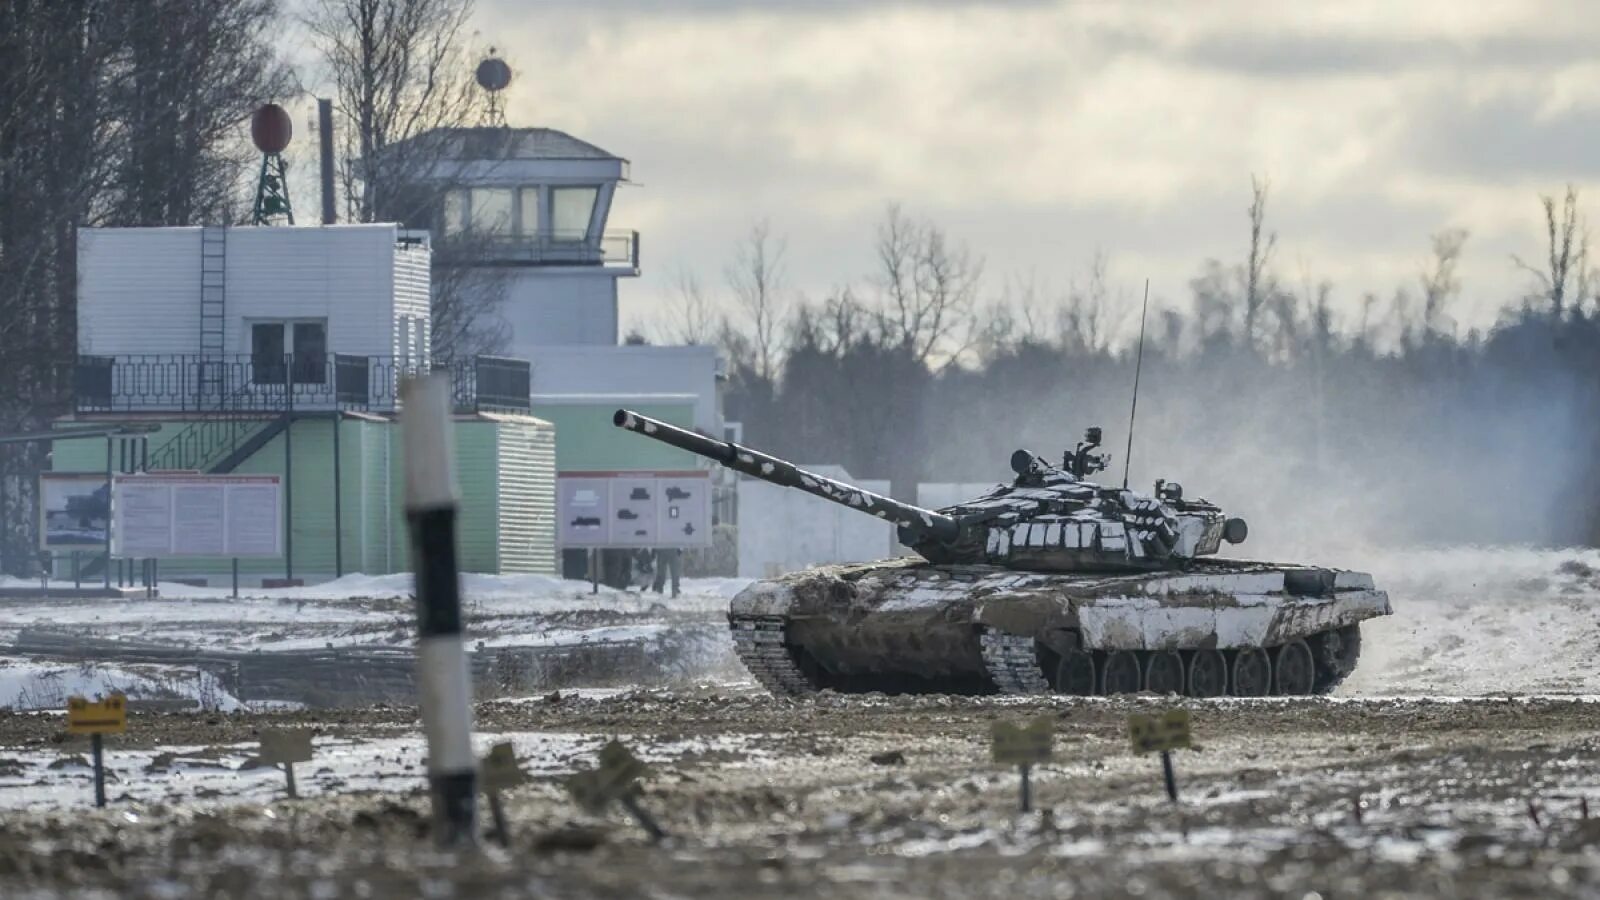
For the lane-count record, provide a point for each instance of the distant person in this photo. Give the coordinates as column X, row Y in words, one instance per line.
column 643, row 564
column 668, row 558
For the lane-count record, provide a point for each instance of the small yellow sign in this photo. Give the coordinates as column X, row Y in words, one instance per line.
column 108, row 716
column 615, row 778
column 1023, row 745
column 500, row 771
column 1159, row 733
column 282, row 747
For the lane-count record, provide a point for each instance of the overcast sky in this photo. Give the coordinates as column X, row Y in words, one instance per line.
column 1037, row 132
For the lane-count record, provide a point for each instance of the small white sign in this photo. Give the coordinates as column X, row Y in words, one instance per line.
column 634, row 509
column 158, row 516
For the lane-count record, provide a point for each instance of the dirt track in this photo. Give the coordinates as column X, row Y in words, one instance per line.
column 766, row 798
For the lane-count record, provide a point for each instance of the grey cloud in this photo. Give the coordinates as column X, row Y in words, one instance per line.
column 693, row 7
column 1506, row 139
column 1289, row 54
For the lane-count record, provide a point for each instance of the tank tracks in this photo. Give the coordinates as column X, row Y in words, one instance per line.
column 763, row 647
column 1013, row 663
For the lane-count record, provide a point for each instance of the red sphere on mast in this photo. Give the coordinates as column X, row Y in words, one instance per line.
column 271, row 129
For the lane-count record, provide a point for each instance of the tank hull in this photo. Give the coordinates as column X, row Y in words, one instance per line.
column 910, row 626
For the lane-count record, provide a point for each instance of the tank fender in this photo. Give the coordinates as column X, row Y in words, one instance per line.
column 1027, row 614
column 763, row 598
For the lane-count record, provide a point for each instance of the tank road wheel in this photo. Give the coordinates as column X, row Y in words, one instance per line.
column 1208, row 674
column 1163, row 672
column 1336, row 653
column 1120, row 673
column 1252, row 672
column 1076, row 675
column 1294, row 673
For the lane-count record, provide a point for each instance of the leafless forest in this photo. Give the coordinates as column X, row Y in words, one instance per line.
column 1393, row 425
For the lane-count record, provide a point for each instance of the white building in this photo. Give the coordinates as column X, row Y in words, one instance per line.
column 184, row 317
column 527, row 210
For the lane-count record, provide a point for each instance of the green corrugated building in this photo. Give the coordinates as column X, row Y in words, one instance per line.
column 505, row 466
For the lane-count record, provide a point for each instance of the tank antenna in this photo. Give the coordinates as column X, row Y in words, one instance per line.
column 1138, row 365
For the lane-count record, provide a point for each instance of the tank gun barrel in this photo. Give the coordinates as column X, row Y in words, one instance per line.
column 756, row 464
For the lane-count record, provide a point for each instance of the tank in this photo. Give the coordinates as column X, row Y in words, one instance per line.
column 1051, row 583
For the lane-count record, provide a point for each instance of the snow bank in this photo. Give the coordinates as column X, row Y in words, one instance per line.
column 30, row 684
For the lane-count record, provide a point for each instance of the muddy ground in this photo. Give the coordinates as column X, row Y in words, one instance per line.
column 864, row 797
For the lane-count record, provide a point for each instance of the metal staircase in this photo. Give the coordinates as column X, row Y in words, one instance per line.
column 213, row 313
column 207, row 442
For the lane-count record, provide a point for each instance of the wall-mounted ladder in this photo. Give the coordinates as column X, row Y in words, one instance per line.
column 213, row 313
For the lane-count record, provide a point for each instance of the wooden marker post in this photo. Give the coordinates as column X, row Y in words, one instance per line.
column 1024, row 747
column 444, row 686
column 285, row 748
column 98, row 718
column 500, row 771
column 615, row 780
column 1166, row 732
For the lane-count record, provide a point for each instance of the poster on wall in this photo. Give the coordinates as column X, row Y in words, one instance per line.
column 157, row 516
column 74, row 510
column 634, row 509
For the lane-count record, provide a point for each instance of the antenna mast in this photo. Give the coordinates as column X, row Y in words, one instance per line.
column 1138, row 366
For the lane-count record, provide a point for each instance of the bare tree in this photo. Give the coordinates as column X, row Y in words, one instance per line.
column 400, row 69
column 691, row 318
column 929, row 287
column 402, row 78
column 467, row 295
column 1082, row 321
column 756, row 277
column 1439, row 281
column 189, row 73
column 1256, row 287
column 1567, row 250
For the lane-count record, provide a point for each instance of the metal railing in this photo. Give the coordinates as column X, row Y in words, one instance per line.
column 613, row 248
column 231, row 386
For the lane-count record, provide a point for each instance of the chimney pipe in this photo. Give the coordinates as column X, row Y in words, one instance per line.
column 325, row 139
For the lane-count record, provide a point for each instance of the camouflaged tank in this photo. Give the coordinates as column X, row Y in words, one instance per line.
column 1049, row 583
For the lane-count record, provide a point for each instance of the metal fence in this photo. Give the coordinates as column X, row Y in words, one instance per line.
column 247, row 383
column 612, row 248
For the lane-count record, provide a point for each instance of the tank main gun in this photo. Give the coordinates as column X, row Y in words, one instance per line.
column 916, row 523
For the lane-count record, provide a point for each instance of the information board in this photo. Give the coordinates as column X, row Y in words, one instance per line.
column 74, row 510
column 634, row 509
column 157, row 516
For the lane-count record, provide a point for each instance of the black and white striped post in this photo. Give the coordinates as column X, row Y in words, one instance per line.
column 444, row 686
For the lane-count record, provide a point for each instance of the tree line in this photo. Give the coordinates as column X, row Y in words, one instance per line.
column 1391, row 425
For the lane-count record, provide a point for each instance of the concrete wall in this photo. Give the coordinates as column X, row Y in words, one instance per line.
column 939, row 494
column 689, row 371
column 545, row 307
column 782, row 530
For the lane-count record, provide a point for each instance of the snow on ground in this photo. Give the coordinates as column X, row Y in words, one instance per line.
column 37, row 684
column 1468, row 621
column 215, row 775
column 523, row 611
column 352, row 609
column 1477, row 620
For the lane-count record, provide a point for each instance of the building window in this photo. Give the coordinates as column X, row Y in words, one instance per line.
column 291, row 349
column 529, row 225
column 455, row 212
column 571, row 208
column 491, row 210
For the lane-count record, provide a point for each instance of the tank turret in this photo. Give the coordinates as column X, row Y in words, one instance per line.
column 1049, row 519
